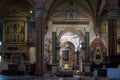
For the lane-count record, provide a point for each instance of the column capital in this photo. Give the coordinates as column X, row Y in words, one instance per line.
column 40, row 12
column 113, row 14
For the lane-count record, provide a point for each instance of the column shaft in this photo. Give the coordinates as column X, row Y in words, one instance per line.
column 87, row 55
column 112, row 37
column 40, row 28
column 112, row 31
column 54, row 56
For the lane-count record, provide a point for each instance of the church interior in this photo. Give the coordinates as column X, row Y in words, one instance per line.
column 68, row 38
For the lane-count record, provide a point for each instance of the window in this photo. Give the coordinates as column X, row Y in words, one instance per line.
column 0, row 58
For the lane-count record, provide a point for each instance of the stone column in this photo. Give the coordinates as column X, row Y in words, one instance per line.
column 112, row 32
column 87, row 55
column 112, row 15
column 54, row 60
column 54, row 54
column 40, row 30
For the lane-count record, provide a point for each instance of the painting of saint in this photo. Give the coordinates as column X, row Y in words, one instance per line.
column 65, row 55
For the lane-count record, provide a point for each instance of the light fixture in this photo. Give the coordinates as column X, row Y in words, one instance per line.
column 0, row 43
column 31, row 11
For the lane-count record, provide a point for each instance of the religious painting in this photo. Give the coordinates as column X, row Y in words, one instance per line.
column 65, row 55
column 31, row 31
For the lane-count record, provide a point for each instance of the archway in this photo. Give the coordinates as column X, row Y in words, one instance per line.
column 66, row 55
column 72, row 35
column 69, row 44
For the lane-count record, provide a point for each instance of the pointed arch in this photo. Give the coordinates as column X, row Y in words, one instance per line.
column 97, row 43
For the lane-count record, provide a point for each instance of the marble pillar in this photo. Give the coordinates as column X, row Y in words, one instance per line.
column 54, row 56
column 87, row 55
column 54, row 53
column 112, row 31
column 40, row 15
column 112, row 15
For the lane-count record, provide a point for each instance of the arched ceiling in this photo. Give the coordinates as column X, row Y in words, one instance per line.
column 88, row 7
column 9, row 6
column 91, row 8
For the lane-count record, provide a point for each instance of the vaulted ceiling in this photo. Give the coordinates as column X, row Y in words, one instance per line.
column 94, row 9
column 90, row 7
column 9, row 6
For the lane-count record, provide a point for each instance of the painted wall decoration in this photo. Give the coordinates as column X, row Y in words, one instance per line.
column 31, row 31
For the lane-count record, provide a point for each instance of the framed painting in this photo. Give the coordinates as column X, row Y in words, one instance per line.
column 65, row 55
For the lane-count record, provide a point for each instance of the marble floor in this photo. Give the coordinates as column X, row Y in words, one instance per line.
column 45, row 77
column 3, row 77
column 34, row 78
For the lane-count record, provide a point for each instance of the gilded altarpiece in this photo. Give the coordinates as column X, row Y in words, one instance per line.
column 15, row 33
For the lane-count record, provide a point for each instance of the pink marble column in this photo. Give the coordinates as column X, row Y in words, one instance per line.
column 112, row 16
column 40, row 30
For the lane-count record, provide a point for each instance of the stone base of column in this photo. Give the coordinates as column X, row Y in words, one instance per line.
column 87, row 69
column 54, row 68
